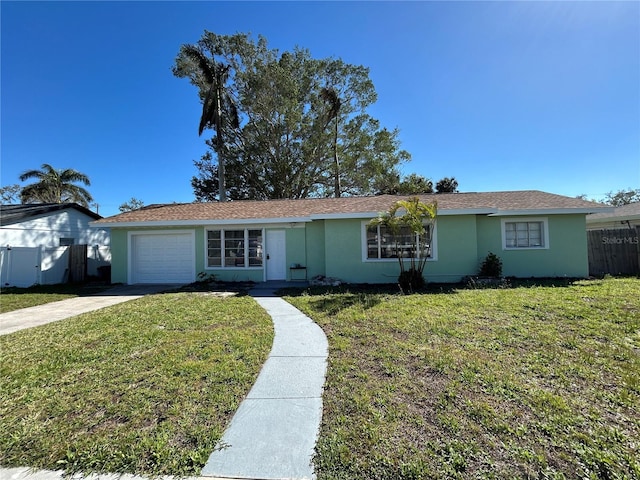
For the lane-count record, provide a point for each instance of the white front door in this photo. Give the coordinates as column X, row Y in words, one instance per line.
column 276, row 255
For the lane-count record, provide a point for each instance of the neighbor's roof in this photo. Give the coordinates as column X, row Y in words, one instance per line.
column 624, row 212
column 10, row 214
column 272, row 211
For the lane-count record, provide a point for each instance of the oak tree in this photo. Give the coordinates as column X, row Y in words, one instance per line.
column 303, row 127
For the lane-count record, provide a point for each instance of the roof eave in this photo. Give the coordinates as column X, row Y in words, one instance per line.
column 544, row 211
column 613, row 218
column 184, row 223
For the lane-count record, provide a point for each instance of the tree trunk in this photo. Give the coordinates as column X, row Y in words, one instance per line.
column 222, row 194
column 337, row 187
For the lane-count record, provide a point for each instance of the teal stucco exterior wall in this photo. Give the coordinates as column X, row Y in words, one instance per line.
column 295, row 241
column 315, row 243
column 566, row 255
column 454, row 248
column 337, row 248
column 119, row 254
column 462, row 242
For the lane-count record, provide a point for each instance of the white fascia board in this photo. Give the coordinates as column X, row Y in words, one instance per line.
column 612, row 218
column 361, row 215
column 99, row 225
column 192, row 223
column 255, row 221
column 343, row 216
column 542, row 211
column 467, row 211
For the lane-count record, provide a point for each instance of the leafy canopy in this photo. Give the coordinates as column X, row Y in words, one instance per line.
column 623, row 197
column 10, row 193
column 133, row 204
column 297, row 117
column 447, row 185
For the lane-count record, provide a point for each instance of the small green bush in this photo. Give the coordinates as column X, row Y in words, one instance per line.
column 491, row 266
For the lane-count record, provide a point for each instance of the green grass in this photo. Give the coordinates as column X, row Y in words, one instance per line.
column 523, row 382
column 14, row 298
column 144, row 387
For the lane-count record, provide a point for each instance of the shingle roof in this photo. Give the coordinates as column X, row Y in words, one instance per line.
column 630, row 211
column 317, row 208
column 10, row 214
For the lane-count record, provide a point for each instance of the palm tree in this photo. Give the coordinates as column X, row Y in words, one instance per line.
column 418, row 218
column 55, row 186
column 214, row 76
column 330, row 96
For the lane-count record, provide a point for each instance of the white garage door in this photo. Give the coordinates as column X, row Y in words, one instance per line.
column 162, row 258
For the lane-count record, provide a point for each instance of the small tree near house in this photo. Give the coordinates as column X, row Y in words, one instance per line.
column 416, row 218
column 491, row 266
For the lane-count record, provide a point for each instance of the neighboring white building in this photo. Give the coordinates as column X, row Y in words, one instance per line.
column 34, row 240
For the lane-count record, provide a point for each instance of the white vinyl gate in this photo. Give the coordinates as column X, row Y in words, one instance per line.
column 19, row 266
column 27, row 266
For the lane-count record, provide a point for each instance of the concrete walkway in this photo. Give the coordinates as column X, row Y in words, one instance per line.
column 274, row 431
column 52, row 312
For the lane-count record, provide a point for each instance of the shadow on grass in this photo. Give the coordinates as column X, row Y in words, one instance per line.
column 332, row 300
column 79, row 289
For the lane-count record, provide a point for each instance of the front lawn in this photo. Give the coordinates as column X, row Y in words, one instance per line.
column 525, row 382
column 14, row 298
column 143, row 387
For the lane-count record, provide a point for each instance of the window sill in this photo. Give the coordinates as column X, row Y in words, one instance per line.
column 395, row 260
column 234, row 268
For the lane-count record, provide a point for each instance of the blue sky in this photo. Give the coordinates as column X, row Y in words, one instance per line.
column 500, row 95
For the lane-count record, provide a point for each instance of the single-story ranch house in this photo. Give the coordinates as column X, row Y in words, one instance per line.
column 536, row 234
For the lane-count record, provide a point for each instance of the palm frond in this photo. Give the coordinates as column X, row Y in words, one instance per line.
column 209, row 109
column 55, row 186
column 330, row 96
column 204, row 65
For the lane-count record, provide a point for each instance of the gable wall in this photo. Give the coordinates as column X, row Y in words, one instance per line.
column 46, row 230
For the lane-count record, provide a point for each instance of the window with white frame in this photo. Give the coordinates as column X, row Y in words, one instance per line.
column 234, row 248
column 382, row 244
column 531, row 233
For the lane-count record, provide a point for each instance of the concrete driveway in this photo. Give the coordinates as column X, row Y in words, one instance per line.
column 52, row 312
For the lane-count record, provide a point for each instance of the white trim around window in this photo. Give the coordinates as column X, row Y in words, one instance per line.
column 233, row 248
column 525, row 233
column 365, row 246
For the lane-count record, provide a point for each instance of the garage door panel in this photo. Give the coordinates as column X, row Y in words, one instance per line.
column 163, row 258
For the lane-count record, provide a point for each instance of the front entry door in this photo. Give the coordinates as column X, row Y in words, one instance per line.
column 276, row 255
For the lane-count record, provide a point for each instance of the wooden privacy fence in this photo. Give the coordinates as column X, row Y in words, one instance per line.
column 614, row 252
column 77, row 263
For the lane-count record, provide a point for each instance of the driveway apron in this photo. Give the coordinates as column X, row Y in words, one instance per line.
column 274, row 431
column 52, row 312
